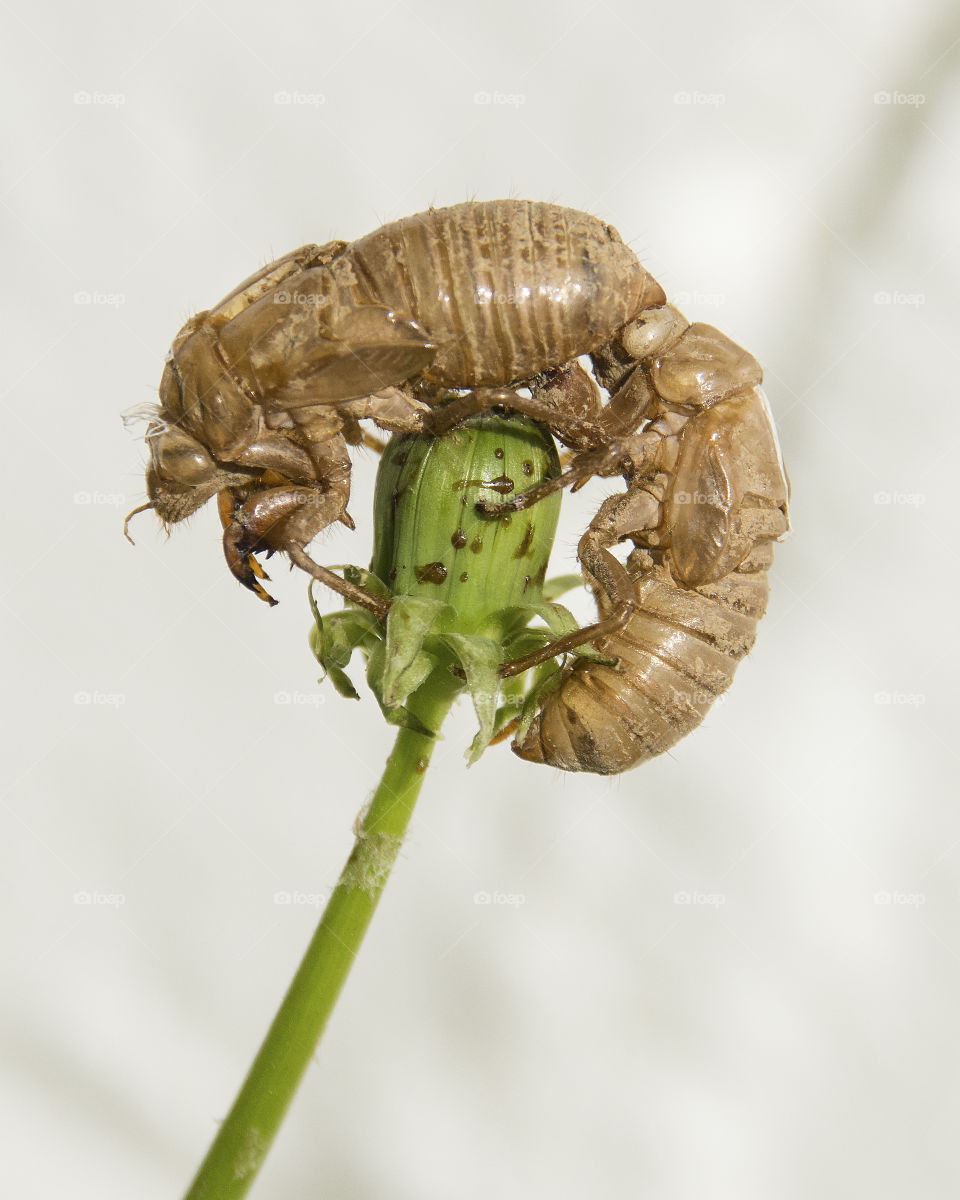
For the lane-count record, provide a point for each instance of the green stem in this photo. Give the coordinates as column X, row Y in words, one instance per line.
column 246, row 1135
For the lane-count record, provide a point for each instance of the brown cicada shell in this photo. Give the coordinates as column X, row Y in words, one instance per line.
column 706, row 497
column 262, row 394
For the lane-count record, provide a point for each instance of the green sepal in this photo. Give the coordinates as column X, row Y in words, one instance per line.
column 333, row 640
column 480, row 659
column 394, row 714
column 560, row 584
column 406, row 664
column 329, row 644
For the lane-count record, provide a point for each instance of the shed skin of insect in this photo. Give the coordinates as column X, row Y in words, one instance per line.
column 262, row 396
column 274, row 379
column 706, row 497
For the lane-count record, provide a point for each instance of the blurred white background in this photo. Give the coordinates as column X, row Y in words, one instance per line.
column 790, row 173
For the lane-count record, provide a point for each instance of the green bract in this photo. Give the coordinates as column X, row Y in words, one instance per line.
column 465, row 585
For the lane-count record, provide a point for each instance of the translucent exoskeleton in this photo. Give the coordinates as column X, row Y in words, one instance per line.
column 494, row 303
column 706, row 497
column 262, row 394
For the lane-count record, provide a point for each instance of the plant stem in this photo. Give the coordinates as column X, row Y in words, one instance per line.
column 246, row 1135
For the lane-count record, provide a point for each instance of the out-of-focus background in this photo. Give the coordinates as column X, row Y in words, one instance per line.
column 731, row 973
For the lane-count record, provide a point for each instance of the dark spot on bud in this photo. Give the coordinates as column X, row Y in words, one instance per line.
column 498, row 453
column 434, row 572
column 420, row 766
column 524, row 548
column 502, row 484
column 505, row 520
column 401, row 459
column 395, row 497
column 393, row 574
column 540, row 576
column 459, row 540
column 527, row 467
column 463, row 577
column 477, row 544
column 526, row 582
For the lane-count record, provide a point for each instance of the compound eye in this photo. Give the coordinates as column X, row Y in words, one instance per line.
column 171, row 395
column 178, row 458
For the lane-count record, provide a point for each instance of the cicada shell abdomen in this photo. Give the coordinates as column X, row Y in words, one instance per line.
column 700, row 591
column 506, row 288
column 676, row 656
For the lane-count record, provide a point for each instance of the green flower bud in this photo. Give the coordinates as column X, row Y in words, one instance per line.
column 429, row 539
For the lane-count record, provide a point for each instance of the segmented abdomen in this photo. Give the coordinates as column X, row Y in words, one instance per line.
column 677, row 654
column 506, row 287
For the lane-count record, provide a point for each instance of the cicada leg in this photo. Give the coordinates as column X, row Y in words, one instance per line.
column 610, row 579
column 287, row 518
column 446, row 418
